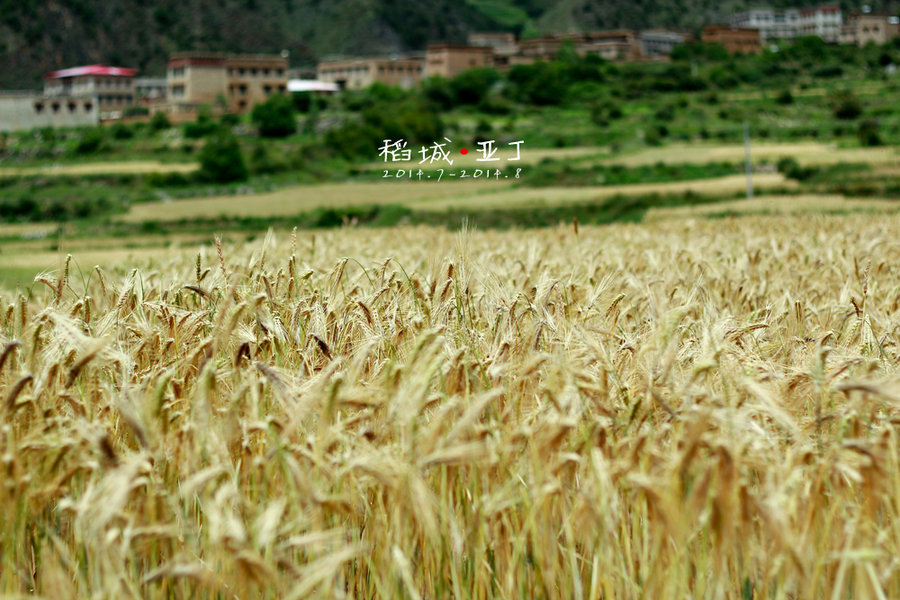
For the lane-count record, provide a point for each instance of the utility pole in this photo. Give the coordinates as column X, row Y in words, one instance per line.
column 748, row 166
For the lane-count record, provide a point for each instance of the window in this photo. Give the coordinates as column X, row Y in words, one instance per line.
column 242, row 72
column 267, row 89
column 177, row 91
column 253, row 72
column 243, row 90
column 56, row 107
column 72, row 107
column 281, row 89
column 88, row 107
column 38, row 108
column 280, row 72
column 265, row 72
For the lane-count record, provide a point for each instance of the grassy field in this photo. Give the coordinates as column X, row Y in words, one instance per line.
column 684, row 408
column 101, row 168
column 777, row 205
column 803, row 152
column 436, row 196
column 290, row 201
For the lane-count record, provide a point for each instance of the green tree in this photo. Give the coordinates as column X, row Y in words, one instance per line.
column 159, row 121
column 274, row 118
column 203, row 126
column 470, row 87
column 868, row 133
column 846, row 105
column 221, row 159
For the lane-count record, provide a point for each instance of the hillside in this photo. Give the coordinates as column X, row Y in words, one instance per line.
column 39, row 36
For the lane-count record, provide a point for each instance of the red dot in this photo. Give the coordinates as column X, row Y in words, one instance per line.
column 463, row 151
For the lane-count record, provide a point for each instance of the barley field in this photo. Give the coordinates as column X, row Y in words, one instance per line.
column 679, row 409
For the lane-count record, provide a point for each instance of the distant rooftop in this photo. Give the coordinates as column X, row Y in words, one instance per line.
column 92, row 70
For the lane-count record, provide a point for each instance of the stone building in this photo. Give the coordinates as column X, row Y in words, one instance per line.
column 358, row 73
column 864, row 28
column 449, row 60
column 23, row 110
column 237, row 81
column 734, row 39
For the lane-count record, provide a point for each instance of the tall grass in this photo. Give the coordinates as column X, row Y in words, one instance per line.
column 689, row 409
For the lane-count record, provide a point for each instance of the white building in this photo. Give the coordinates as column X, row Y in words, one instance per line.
column 789, row 23
column 823, row 21
column 111, row 88
column 773, row 24
column 655, row 42
column 32, row 110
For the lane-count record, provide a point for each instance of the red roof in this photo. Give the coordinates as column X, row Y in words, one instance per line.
column 91, row 70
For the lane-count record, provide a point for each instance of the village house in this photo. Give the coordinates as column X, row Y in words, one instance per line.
column 657, row 43
column 449, row 60
column 864, row 28
column 359, row 73
column 236, row 80
column 71, row 97
column 111, row 88
column 734, row 39
column 789, row 23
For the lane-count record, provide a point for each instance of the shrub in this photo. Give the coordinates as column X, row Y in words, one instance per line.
column 263, row 161
column 159, row 121
column 665, row 112
column 202, row 127
column 437, row 90
column 91, row 141
column 307, row 101
column 784, row 97
column 868, row 133
column 136, row 111
column 495, row 104
column 846, row 105
column 828, row 72
column 483, row 131
column 791, row 169
column 724, row 79
column 230, row 119
column 539, row 83
column 473, row 85
column 585, row 92
column 221, row 159
column 121, row 131
column 274, row 118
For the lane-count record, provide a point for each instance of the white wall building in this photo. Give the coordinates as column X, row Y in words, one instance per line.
column 789, row 23
column 823, row 21
column 32, row 110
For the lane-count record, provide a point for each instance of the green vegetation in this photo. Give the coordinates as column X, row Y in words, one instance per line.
column 563, row 173
column 221, row 160
column 701, row 98
column 275, row 117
